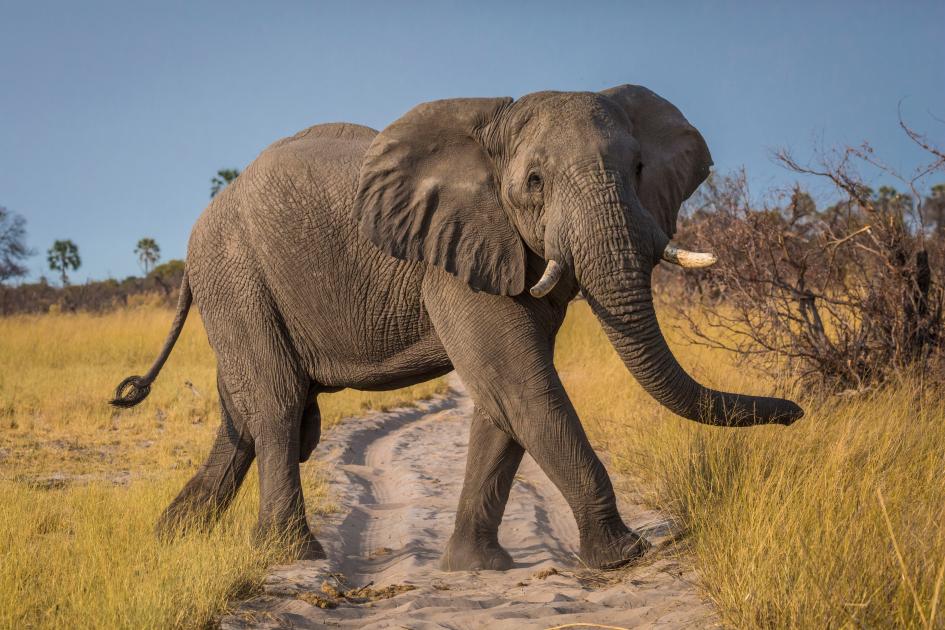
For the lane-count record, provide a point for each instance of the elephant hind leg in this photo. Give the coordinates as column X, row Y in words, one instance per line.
column 211, row 490
column 279, row 451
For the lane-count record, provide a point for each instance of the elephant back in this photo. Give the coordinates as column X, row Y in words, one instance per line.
column 329, row 131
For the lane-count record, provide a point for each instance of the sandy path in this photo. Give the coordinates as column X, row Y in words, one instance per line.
column 396, row 478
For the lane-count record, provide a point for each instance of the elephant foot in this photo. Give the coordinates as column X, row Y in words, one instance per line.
column 468, row 554
column 612, row 551
column 310, row 549
column 296, row 539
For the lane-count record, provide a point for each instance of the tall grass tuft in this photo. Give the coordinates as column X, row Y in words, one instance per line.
column 86, row 556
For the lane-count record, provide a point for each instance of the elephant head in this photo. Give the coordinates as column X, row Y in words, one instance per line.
column 590, row 182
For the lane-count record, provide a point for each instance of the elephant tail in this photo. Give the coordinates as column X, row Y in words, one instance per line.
column 134, row 389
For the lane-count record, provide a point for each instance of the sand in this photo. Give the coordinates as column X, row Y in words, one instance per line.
column 396, row 477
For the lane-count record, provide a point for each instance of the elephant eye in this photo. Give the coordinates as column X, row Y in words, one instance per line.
column 533, row 183
column 639, row 168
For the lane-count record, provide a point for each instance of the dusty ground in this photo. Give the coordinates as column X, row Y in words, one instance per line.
column 395, row 478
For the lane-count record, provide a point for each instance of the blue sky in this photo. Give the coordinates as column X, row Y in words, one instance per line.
column 115, row 115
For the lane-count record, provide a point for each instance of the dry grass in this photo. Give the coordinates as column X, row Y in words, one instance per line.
column 81, row 485
column 838, row 521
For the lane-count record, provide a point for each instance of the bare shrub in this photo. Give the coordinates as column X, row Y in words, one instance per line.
column 847, row 295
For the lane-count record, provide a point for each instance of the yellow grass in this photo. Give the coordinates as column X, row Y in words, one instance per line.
column 837, row 521
column 82, row 485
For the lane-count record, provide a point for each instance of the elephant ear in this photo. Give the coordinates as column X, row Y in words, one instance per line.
column 428, row 191
column 674, row 154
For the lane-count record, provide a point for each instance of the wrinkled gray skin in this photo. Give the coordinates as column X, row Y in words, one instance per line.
column 343, row 257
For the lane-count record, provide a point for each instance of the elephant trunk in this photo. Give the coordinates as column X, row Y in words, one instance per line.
column 614, row 254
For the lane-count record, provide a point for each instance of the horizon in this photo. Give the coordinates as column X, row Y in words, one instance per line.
column 121, row 115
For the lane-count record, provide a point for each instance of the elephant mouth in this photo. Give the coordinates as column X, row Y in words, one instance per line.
column 671, row 253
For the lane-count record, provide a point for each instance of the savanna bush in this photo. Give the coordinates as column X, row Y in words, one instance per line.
column 847, row 295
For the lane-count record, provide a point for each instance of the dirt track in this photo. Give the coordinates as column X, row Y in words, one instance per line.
column 396, row 478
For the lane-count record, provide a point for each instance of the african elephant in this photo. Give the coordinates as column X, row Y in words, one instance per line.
column 343, row 257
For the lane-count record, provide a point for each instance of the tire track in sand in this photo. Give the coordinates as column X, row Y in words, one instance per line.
column 396, row 477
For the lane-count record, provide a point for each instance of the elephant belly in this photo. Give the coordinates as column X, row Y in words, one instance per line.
column 364, row 326
column 392, row 373
column 375, row 358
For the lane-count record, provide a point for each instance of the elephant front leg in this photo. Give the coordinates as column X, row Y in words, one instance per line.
column 491, row 462
column 501, row 347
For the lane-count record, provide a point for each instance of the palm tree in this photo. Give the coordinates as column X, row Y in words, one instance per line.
column 149, row 252
column 222, row 179
column 63, row 256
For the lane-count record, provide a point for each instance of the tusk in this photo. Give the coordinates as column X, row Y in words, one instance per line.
column 687, row 259
column 548, row 280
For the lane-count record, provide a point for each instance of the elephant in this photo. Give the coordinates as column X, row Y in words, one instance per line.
column 344, row 257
